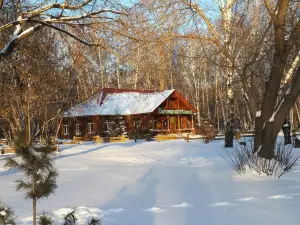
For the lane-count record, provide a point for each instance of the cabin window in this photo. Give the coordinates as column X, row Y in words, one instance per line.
column 188, row 122
column 109, row 126
column 137, row 123
column 90, row 127
column 66, row 129
column 165, row 124
column 152, row 124
column 78, row 129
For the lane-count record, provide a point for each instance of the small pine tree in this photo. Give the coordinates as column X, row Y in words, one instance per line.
column 7, row 215
column 94, row 221
column 117, row 127
column 70, row 218
column 37, row 165
column 120, row 125
column 45, row 219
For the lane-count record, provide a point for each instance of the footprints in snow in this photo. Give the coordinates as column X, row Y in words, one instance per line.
column 248, row 199
column 218, row 204
column 154, row 210
column 159, row 210
column 182, row 205
column 280, row 197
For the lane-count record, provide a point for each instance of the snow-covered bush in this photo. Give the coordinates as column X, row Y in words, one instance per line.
column 45, row 219
column 7, row 215
column 148, row 137
column 208, row 131
column 242, row 159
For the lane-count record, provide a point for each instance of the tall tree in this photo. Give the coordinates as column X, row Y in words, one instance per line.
column 275, row 108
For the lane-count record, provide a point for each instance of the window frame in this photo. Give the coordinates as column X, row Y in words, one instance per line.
column 107, row 123
column 77, row 129
column 90, row 127
column 66, row 129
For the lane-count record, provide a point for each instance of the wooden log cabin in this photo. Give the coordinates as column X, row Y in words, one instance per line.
column 156, row 112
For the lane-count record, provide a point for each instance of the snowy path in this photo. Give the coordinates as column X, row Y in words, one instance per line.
column 159, row 184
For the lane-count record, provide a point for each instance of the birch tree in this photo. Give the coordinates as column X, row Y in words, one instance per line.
column 225, row 45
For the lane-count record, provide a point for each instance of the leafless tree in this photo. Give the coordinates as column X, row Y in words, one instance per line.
column 66, row 17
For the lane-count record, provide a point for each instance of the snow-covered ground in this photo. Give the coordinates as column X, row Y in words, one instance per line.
column 151, row 183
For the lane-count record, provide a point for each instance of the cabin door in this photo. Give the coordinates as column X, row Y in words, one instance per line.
column 172, row 124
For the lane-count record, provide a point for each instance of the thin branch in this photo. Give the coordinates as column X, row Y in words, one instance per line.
column 68, row 33
column 12, row 24
column 270, row 10
column 294, row 37
column 206, row 20
column 58, row 6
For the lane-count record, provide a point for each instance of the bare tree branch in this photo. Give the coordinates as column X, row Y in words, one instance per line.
column 270, row 10
column 38, row 17
column 195, row 7
column 58, row 6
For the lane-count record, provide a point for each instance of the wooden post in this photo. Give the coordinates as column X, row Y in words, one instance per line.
column 168, row 122
column 58, row 129
column 129, row 122
column 153, row 122
column 193, row 130
column 192, row 121
column 187, row 138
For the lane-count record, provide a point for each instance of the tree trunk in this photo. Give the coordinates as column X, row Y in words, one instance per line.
column 230, row 120
column 162, row 67
column 266, row 130
column 298, row 115
column 33, row 200
column 137, row 69
column 28, row 123
column 266, row 150
column 229, row 126
column 100, row 66
column 224, row 116
column 207, row 100
column 292, row 124
column 34, row 211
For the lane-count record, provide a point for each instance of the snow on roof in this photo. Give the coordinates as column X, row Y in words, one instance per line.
column 123, row 103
